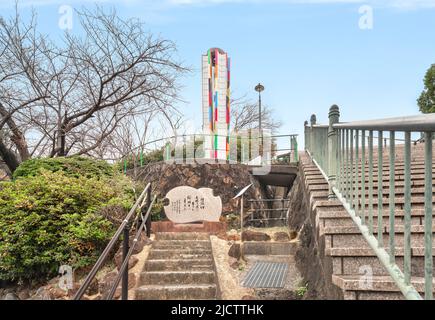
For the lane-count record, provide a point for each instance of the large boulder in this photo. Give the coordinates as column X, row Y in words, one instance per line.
column 249, row 235
column 131, row 263
column 281, row 236
column 11, row 296
column 235, row 251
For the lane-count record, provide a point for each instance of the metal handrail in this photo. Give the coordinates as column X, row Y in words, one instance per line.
column 136, row 154
column 346, row 159
column 412, row 123
column 124, row 265
column 122, row 228
column 141, row 146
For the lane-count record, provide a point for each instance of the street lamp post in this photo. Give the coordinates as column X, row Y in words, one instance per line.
column 259, row 88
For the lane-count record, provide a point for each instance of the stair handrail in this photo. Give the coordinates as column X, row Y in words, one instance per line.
column 337, row 152
column 124, row 266
column 143, row 202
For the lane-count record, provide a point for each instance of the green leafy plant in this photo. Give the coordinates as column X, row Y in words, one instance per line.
column 71, row 166
column 302, row 290
column 53, row 218
column 426, row 101
column 157, row 210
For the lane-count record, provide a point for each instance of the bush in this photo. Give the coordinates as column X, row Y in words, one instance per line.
column 71, row 166
column 52, row 218
column 157, row 211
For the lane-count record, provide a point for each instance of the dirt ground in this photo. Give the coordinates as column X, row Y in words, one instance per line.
column 229, row 278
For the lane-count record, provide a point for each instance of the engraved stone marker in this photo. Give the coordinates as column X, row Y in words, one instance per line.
column 187, row 204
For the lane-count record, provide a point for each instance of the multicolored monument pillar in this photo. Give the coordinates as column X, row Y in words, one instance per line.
column 216, row 103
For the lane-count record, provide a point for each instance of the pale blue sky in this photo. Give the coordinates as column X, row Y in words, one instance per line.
column 308, row 54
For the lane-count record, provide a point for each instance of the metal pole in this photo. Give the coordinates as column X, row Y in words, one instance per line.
column 125, row 248
column 148, row 222
column 241, row 227
column 259, row 111
column 392, row 204
column 380, row 191
column 428, row 258
column 407, row 254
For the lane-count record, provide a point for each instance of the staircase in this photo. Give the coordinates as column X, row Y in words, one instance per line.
column 179, row 267
column 350, row 258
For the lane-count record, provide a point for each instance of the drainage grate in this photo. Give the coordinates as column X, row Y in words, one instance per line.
column 266, row 275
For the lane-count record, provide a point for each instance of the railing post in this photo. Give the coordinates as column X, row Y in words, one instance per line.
column 334, row 117
column 296, row 152
column 125, row 247
column 148, row 222
column 306, row 142
column 313, row 121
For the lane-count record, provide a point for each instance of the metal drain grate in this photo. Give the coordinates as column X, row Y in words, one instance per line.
column 266, row 275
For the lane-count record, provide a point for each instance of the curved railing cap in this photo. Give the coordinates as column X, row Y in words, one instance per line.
column 424, row 122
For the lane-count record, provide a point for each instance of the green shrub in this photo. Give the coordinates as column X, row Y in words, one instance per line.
column 158, row 210
column 71, row 166
column 53, row 218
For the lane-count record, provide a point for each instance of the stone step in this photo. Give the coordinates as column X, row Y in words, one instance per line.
column 356, row 287
column 177, row 277
column 177, row 292
column 416, row 203
column 351, row 261
column 341, row 218
column 179, row 254
column 182, row 244
column 416, row 180
column 399, row 192
column 347, row 221
column 182, row 236
column 350, row 237
column 416, row 186
column 178, row 264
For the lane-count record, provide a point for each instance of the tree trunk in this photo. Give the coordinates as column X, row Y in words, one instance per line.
column 9, row 157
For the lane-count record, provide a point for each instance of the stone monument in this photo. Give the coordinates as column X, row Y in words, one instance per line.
column 188, row 205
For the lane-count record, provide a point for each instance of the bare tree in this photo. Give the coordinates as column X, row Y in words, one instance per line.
column 70, row 99
column 245, row 115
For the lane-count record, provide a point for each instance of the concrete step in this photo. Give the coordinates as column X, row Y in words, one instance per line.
column 356, row 287
column 352, row 261
column 177, row 277
column 177, row 292
column 350, row 237
column 178, row 264
column 321, row 184
column 182, row 236
column 324, row 213
column 399, row 192
column 416, row 181
column 182, row 244
column 180, row 254
column 342, row 218
column 334, row 205
column 348, row 222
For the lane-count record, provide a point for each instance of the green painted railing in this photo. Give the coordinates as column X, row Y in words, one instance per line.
column 346, row 155
column 243, row 148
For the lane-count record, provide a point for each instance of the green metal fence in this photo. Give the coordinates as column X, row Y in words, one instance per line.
column 243, row 148
column 354, row 159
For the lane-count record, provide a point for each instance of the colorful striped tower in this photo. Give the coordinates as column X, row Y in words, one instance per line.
column 216, row 103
